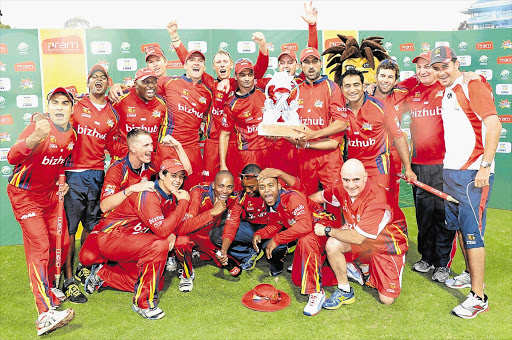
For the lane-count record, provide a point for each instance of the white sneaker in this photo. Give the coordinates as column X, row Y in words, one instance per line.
column 171, row 265
column 290, row 268
column 471, row 306
column 186, row 283
column 314, row 303
column 53, row 319
column 59, row 294
column 422, row 266
column 441, row 274
column 354, row 273
column 154, row 313
column 460, row 281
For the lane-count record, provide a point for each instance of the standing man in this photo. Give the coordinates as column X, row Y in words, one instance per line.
column 471, row 133
column 38, row 156
column 95, row 123
column 374, row 226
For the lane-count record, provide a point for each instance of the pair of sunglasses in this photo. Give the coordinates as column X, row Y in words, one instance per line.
column 247, row 176
column 273, row 299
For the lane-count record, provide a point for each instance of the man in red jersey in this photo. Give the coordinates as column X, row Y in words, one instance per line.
column 38, row 156
column 137, row 236
column 374, row 226
column 140, row 107
column 206, row 211
column 95, row 123
column 295, row 213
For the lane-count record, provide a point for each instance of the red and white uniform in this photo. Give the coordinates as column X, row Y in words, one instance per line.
column 33, row 195
column 320, row 103
column 135, row 236
column 375, row 215
column 134, row 112
column 298, row 214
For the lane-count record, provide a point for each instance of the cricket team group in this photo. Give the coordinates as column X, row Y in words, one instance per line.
column 162, row 200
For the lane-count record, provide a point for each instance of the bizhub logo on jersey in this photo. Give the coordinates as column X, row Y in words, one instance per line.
column 361, row 143
column 312, row 121
column 425, row 113
column 153, row 129
column 184, row 108
column 52, row 161
column 84, row 130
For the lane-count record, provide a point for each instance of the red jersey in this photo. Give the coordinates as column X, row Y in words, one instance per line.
column 188, row 103
column 244, row 113
column 373, row 214
column 95, row 128
column 368, row 135
column 38, row 169
column 120, row 175
column 134, row 112
column 146, row 211
column 297, row 213
column 198, row 215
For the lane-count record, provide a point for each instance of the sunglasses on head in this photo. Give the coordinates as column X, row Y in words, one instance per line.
column 248, row 176
column 242, row 60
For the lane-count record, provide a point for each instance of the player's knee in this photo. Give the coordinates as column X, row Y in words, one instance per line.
column 333, row 246
column 386, row 299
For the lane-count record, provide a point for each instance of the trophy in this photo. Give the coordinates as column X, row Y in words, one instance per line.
column 277, row 107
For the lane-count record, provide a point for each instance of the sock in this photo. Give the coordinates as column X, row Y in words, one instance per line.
column 69, row 281
column 345, row 288
column 365, row 268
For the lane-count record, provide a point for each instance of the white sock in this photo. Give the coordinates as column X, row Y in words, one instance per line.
column 345, row 288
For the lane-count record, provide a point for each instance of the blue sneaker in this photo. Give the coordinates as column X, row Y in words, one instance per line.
column 354, row 273
column 93, row 281
column 251, row 262
column 338, row 298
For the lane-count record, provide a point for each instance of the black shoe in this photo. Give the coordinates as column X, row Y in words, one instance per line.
column 74, row 294
column 81, row 274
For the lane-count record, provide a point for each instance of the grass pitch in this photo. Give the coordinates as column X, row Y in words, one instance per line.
column 213, row 309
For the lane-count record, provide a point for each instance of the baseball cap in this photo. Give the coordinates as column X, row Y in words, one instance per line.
column 144, row 73
column 154, row 51
column 266, row 298
column 97, row 67
column 442, row 54
column 242, row 64
column 307, row 52
column 60, row 90
column 172, row 165
column 189, row 54
column 424, row 55
column 290, row 53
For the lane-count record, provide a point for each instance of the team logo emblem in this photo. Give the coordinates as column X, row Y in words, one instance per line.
column 86, row 110
column 70, row 146
column 439, row 93
column 505, row 74
column 156, row 113
column 463, row 45
column 388, row 46
column 319, row 104
column 202, row 100
column 483, row 59
column 109, row 190
column 110, row 123
column 506, row 44
column 292, row 221
column 185, row 92
column 53, row 140
column 131, row 109
column 505, row 104
column 27, row 84
column 247, row 114
column 367, row 126
column 407, row 61
column 425, row 47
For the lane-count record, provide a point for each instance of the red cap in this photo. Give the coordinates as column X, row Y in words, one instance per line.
column 424, row 55
column 307, row 52
column 442, row 54
column 97, row 67
column 189, row 54
column 242, row 64
column 172, row 165
column 144, row 73
column 266, row 298
column 290, row 53
column 60, row 90
column 154, row 51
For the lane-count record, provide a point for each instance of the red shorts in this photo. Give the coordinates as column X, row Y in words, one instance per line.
column 318, row 166
column 211, row 161
column 395, row 167
column 386, row 273
column 194, row 156
column 259, row 157
column 284, row 157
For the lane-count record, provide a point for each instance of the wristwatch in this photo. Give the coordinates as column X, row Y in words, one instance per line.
column 327, row 230
column 485, row 164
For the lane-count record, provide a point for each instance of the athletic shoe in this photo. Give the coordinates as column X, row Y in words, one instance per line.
column 422, row 266
column 471, row 306
column 441, row 274
column 93, row 282
column 59, row 294
column 154, row 313
column 339, row 297
column 291, row 249
column 251, row 262
column 290, row 268
column 460, row 281
column 52, row 319
column 196, row 255
column 186, row 283
column 81, row 274
column 74, row 294
column 314, row 303
column 171, row 265
column 354, row 273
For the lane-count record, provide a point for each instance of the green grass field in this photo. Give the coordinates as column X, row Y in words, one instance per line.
column 213, row 309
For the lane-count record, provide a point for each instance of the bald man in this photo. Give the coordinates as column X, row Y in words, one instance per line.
column 374, row 227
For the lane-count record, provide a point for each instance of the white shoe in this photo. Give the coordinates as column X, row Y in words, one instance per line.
column 59, row 294
column 471, row 306
column 154, row 313
column 314, row 303
column 354, row 273
column 460, row 281
column 290, row 268
column 186, row 283
column 53, row 319
column 171, row 265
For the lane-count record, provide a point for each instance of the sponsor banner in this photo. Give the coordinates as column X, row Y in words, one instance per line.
column 28, row 66
column 486, row 73
column 504, row 89
column 66, row 44
column 504, row 147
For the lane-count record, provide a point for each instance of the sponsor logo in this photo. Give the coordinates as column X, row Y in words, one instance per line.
column 30, row 100
column 23, row 48
column 103, row 63
column 150, row 129
column 202, row 100
column 486, row 45
column 252, row 128
column 505, row 119
column 425, row 47
column 156, row 113
column 125, row 47
column 27, row 117
column 367, row 126
column 333, row 42
column 27, row 84
column 127, row 64
column 406, row 118
column 174, row 64
column 312, row 121
column 3, row 154
column 63, row 45
column 442, row 43
column 406, row 74
column 504, row 147
column 483, row 59
column 3, row 49
column 464, row 60
column 5, row 137
column 463, row 45
column 2, row 66
column 128, row 81
column 191, row 110
column 506, row 44
column 504, row 89
column 246, row 47
column 273, row 63
column 299, row 210
column 156, row 219
column 437, row 111
column 319, row 104
column 6, row 170
column 504, row 104
column 505, row 59
column 85, row 130
column 5, row 84
column 101, row 47
column 292, row 47
column 152, row 46
column 505, row 74
column 29, row 215
column 27, row 66
column 71, row 89
column 199, row 45
column 503, row 133
column 388, row 45
column 223, row 46
column 356, row 143
column 6, row 120
column 270, row 46
column 407, row 61
column 486, row 73
column 2, row 102
column 409, row 47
